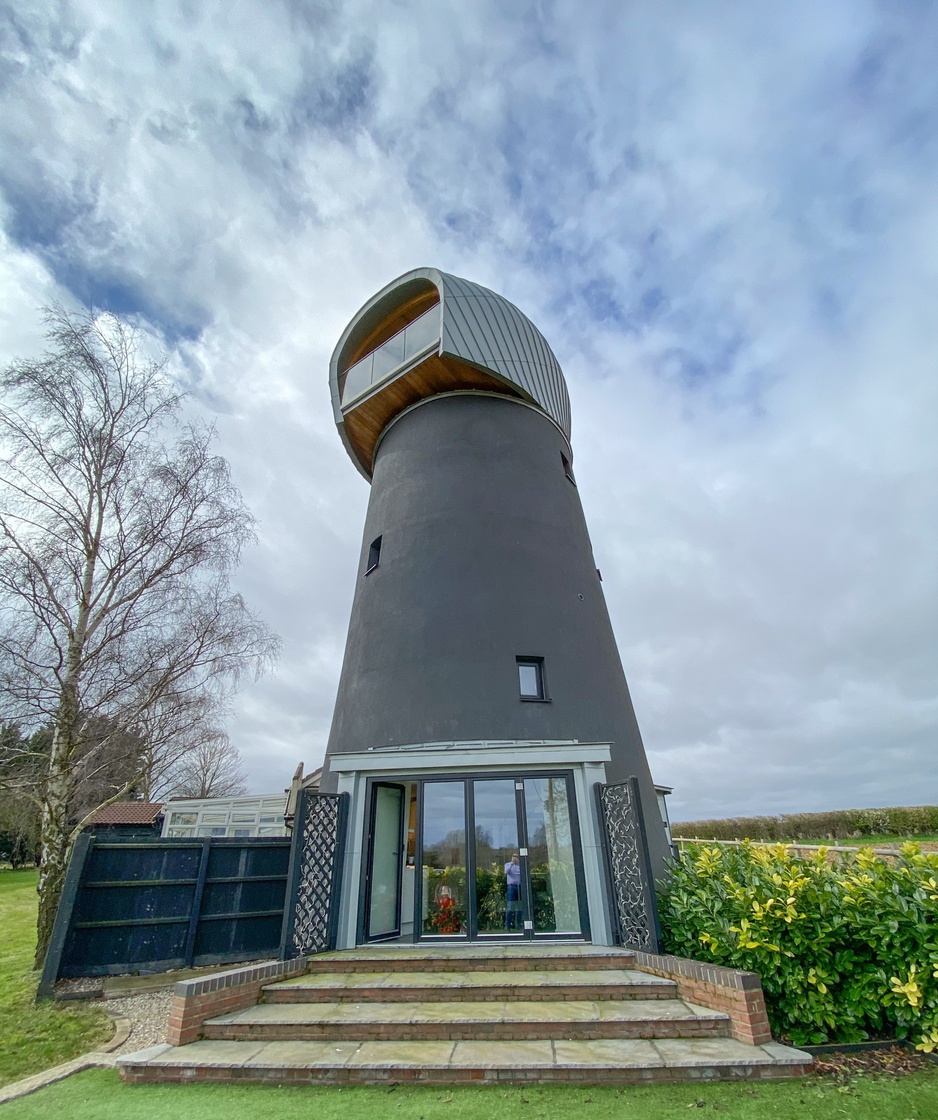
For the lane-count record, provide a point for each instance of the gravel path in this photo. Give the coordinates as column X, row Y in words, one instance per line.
column 148, row 1015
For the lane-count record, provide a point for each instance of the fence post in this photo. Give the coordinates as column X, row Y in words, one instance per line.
column 293, row 876
column 196, row 910
column 338, row 860
column 63, row 915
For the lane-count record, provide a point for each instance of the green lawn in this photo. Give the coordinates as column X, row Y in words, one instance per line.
column 873, row 841
column 885, row 841
column 100, row 1095
column 33, row 1038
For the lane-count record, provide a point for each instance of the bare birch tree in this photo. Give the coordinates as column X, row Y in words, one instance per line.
column 119, row 529
column 212, row 769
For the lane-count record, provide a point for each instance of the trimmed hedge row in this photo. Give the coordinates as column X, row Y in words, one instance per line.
column 841, row 824
column 846, row 950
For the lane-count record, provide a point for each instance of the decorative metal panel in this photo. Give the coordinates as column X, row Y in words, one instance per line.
column 319, row 835
column 626, row 850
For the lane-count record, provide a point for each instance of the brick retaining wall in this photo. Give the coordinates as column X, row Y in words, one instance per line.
column 738, row 994
column 194, row 1001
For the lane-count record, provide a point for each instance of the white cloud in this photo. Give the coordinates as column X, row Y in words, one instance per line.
column 722, row 221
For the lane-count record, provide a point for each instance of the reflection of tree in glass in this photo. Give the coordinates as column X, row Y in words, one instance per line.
column 449, row 851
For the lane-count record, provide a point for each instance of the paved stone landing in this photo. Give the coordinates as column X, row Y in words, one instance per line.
column 556, row 1013
column 613, row 1061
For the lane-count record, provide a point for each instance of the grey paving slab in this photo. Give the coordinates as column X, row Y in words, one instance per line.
column 609, row 1011
column 300, row 1055
column 556, row 978
column 488, row 1011
column 208, row 1053
column 476, row 952
column 341, row 980
column 706, row 1012
column 283, row 1013
column 468, row 1011
column 475, row 1054
column 404, row 1055
column 678, row 1052
column 603, row 1053
column 144, row 1055
column 787, row 1055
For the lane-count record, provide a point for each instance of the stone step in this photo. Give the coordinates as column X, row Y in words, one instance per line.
column 404, row 987
column 470, row 1019
column 347, row 1062
column 474, row 958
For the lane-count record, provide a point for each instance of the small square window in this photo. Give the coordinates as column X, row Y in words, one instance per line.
column 567, row 468
column 374, row 555
column 531, row 678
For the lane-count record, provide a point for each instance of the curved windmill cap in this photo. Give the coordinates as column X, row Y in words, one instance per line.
column 426, row 333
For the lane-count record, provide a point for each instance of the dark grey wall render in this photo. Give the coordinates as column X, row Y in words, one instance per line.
column 485, row 557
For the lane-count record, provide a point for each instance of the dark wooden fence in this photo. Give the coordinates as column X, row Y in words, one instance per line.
column 152, row 905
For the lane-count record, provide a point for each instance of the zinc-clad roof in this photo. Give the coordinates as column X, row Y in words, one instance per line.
column 479, row 327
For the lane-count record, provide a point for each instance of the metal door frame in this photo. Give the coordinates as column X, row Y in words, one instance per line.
column 527, row 935
column 365, row 909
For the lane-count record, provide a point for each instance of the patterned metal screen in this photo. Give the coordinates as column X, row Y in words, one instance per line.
column 633, row 895
column 311, row 918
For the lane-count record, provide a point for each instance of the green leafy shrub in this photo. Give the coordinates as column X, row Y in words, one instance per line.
column 845, row 949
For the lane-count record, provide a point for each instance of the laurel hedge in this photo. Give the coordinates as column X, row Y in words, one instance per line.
column 842, row 824
column 847, row 950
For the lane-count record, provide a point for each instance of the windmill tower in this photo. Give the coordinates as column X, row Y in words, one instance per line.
column 482, row 696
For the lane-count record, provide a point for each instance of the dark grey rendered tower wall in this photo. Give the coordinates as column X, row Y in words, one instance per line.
column 485, row 557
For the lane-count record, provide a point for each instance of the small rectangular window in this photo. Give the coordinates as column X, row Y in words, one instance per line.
column 374, row 555
column 531, row 678
column 567, row 468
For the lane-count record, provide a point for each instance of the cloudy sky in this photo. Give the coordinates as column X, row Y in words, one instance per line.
column 724, row 218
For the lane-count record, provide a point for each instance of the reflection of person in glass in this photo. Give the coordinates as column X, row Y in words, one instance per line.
column 513, row 892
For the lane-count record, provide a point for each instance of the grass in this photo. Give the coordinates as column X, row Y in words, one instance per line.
column 100, row 1095
column 34, row 1037
column 873, row 841
column 851, row 842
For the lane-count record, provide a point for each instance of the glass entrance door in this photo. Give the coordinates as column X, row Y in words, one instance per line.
column 499, row 891
column 383, row 874
column 500, row 859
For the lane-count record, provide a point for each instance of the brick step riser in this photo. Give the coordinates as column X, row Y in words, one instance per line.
column 445, row 995
column 455, row 1032
column 468, row 964
column 310, row 1075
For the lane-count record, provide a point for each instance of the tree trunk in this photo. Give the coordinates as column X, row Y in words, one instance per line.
column 54, row 845
column 54, row 830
